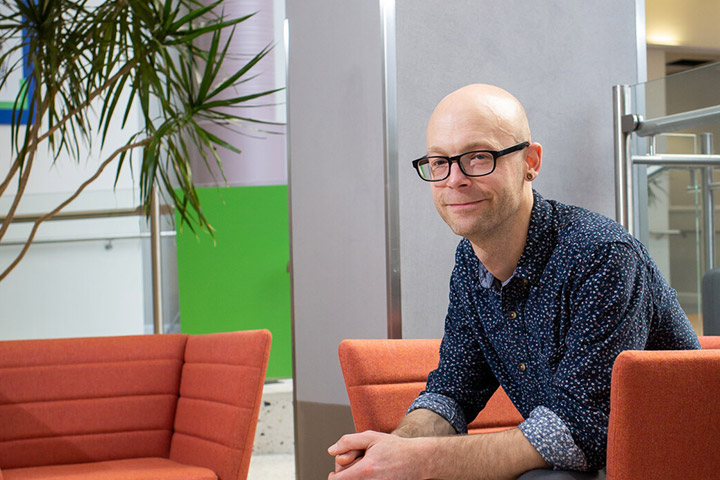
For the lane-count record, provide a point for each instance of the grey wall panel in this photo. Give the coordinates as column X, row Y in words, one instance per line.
column 560, row 58
column 337, row 191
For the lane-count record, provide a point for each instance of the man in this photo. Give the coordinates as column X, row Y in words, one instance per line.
column 543, row 298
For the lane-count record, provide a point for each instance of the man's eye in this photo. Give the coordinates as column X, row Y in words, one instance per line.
column 438, row 162
column 481, row 156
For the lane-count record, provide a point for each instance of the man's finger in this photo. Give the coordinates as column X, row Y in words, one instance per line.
column 348, row 457
column 354, row 441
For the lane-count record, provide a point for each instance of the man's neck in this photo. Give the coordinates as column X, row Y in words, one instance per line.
column 500, row 253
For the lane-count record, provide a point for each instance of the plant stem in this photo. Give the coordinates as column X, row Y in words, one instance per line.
column 11, row 174
column 67, row 201
column 21, row 185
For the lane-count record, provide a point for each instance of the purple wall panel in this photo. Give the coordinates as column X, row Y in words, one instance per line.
column 263, row 160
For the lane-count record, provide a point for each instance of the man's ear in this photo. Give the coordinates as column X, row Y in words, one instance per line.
column 534, row 159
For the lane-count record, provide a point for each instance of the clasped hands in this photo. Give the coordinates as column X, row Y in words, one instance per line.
column 375, row 456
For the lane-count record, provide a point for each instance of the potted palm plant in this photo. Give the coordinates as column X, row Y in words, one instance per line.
column 88, row 63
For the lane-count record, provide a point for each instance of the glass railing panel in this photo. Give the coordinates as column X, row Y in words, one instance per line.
column 675, row 204
column 82, row 277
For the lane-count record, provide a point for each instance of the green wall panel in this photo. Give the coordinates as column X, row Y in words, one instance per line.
column 241, row 282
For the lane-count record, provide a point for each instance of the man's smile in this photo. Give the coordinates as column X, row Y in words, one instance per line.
column 465, row 204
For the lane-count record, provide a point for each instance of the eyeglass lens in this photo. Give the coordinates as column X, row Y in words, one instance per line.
column 471, row 163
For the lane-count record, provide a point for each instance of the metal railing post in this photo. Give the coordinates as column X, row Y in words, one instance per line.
column 623, row 161
column 706, row 148
column 156, row 261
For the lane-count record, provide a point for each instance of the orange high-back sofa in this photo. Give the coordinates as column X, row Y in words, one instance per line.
column 132, row 408
column 665, row 405
column 665, row 414
column 383, row 377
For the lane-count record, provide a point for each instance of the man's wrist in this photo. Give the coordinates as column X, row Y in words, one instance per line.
column 423, row 423
column 423, row 451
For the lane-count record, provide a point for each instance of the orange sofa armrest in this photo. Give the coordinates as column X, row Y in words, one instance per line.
column 665, row 415
column 710, row 342
column 220, row 395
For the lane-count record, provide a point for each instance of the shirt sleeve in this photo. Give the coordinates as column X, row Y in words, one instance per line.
column 463, row 382
column 611, row 308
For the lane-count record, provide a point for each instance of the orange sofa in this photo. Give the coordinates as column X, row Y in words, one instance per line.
column 132, row 408
column 664, row 418
column 383, row 377
column 665, row 414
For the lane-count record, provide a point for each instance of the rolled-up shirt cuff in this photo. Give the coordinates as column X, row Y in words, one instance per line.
column 444, row 406
column 552, row 439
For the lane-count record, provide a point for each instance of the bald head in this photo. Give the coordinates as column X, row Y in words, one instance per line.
column 478, row 113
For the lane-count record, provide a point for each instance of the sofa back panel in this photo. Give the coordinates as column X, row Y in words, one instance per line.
column 368, row 401
column 215, row 427
column 52, row 391
column 218, row 383
column 67, row 351
column 664, row 415
column 89, row 380
column 375, row 362
column 214, row 422
column 383, row 377
column 710, row 342
column 86, row 417
column 83, row 449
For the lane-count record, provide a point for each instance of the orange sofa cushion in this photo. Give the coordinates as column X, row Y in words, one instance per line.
column 131, row 469
column 383, row 377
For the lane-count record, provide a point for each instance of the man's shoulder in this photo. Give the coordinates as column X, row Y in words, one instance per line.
column 581, row 228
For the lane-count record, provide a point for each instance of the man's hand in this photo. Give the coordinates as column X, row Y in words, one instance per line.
column 375, row 456
column 380, row 456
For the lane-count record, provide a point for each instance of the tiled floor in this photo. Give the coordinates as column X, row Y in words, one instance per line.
column 278, row 466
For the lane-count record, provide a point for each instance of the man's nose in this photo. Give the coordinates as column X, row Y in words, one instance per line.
column 456, row 178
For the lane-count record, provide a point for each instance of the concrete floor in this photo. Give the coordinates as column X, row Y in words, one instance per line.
column 273, row 455
column 276, row 466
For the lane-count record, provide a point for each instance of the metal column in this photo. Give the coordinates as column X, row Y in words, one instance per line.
column 156, row 261
column 623, row 161
column 706, row 148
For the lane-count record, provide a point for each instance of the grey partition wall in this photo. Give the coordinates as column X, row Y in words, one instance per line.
column 349, row 91
column 560, row 59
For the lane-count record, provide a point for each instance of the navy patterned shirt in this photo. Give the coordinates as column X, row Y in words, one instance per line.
column 583, row 291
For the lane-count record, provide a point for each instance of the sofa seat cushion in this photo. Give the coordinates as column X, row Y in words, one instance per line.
column 130, row 469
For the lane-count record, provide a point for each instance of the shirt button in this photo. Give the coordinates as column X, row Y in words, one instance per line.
column 522, row 367
column 512, row 315
column 525, row 281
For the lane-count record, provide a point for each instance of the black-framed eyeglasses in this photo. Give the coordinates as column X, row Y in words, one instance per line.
column 478, row 163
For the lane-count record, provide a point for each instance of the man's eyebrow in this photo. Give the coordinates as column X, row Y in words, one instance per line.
column 433, row 150
column 470, row 147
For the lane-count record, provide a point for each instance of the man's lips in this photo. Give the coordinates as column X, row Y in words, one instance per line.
column 464, row 204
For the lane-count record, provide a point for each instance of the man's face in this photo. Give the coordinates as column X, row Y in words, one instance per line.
column 478, row 208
